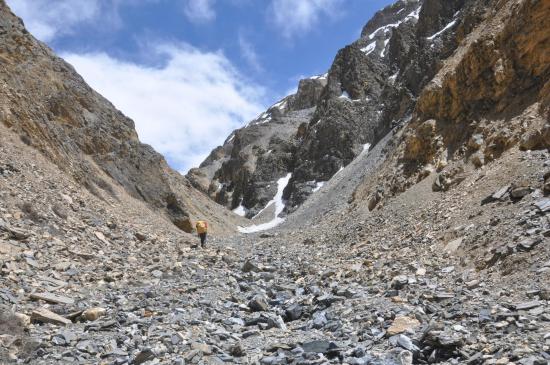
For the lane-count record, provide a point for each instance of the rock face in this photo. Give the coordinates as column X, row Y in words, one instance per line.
column 489, row 96
column 45, row 102
column 372, row 86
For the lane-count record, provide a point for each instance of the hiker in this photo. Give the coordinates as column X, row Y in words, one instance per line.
column 202, row 228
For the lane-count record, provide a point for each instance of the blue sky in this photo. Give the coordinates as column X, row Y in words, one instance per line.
column 190, row 71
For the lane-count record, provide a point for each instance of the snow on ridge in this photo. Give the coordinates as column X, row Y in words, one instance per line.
column 280, row 105
column 264, row 120
column 450, row 25
column 319, row 77
column 413, row 15
column 279, row 207
column 265, row 117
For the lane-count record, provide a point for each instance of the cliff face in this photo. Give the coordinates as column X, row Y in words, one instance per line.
column 489, row 96
column 45, row 102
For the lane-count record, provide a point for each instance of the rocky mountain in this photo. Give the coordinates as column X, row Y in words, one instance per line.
column 431, row 246
column 46, row 103
column 243, row 172
column 372, row 86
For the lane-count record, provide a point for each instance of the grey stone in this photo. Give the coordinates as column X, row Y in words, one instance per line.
column 52, row 298
column 46, row 316
column 258, row 304
column 528, row 305
column 144, row 356
column 319, row 346
column 294, row 312
column 399, row 282
column 543, row 205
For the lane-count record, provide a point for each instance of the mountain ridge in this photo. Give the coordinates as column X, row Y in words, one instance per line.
column 88, row 138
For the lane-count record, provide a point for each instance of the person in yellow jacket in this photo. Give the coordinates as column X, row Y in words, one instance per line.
column 202, row 229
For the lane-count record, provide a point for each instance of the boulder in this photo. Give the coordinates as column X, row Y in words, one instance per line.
column 93, row 314
column 531, row 140
column 258, row 304
column 476, row 142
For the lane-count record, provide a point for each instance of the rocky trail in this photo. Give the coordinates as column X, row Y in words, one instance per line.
column 82, row 286
column 279, row 305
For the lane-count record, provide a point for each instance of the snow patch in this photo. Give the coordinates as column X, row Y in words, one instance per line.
column 344, row 95
column 265, row 120
column 240, row 210
column 415, row 14
column 280, row 105
column 450, row 25
column 231, row 138
column 383, row 52
column 279, row 207
column 366, row 147
column 369, row 48
column 265, row 117
column 393, row 77
column 318, row 186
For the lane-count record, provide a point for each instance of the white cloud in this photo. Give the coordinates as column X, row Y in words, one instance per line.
column 248, row 53
column 293, row 17
column 46, row 19
column 199, row 11
column 184, row 108
column 49, row 19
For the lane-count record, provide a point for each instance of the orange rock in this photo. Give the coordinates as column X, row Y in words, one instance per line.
column 402, row 324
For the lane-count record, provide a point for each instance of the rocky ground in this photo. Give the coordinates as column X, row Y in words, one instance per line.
column 427, row 277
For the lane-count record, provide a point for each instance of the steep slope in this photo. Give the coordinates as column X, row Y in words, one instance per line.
column 45, row 102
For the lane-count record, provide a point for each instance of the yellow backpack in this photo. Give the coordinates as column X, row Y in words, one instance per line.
column 202, row 226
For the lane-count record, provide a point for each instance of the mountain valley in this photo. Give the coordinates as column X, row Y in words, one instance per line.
column 392, row 211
